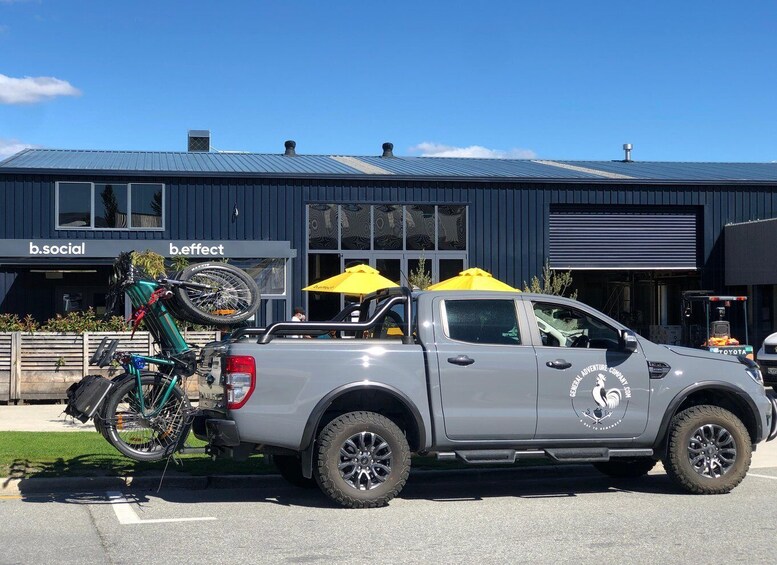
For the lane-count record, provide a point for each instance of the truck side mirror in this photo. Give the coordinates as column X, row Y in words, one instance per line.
column 628, row 341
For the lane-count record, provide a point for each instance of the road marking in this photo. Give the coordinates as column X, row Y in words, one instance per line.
column 762, row 476
column 126, row 515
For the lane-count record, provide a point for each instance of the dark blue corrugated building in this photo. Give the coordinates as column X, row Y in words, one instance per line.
column 633, row 233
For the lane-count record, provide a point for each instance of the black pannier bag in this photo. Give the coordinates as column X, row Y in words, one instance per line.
column 85, row 397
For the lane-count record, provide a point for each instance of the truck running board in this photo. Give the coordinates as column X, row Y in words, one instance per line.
column 490, row 456
column 593, row 454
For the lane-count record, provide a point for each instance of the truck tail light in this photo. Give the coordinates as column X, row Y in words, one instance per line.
column 239, row 380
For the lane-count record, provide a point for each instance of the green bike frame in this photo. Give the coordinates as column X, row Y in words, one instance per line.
column 159, row 321
column 132, row 369
column 163, row 328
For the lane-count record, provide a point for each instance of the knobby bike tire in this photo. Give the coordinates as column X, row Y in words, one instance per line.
column 233, row 296
column 140, row 438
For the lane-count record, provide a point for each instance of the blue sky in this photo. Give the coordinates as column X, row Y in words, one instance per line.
column 681, row 81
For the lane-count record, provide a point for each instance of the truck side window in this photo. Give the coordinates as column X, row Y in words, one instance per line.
column 482, row 321
column 562, row 326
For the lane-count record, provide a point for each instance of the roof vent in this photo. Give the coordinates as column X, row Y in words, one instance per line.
column 627, row 150
column 388, row 149
column 290, row 146
column 199, row 140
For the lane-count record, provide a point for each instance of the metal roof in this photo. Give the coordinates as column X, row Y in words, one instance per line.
column 253, row 164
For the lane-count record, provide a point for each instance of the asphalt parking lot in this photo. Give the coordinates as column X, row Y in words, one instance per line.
column 551, row 515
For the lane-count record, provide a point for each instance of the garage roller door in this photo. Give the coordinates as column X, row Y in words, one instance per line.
column 601, row 240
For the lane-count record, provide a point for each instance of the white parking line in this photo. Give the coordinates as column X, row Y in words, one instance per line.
column 126, row 515
column 762, row 476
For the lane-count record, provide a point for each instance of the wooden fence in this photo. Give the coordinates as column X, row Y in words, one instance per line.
column 42, row 365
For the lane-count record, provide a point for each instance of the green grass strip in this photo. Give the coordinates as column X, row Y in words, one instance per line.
column 25, row 455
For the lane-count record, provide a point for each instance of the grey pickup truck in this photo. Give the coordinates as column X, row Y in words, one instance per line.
column 479, row 377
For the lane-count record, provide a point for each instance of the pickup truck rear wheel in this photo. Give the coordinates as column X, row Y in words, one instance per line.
column 708, row 451
column 630, row 468
column 362, row 460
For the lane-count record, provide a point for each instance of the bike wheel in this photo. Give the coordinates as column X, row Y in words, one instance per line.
column 219, row 294
column 152, row 436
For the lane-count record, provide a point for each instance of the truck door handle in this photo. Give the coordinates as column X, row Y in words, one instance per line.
column 462, row 360
column 559, row 364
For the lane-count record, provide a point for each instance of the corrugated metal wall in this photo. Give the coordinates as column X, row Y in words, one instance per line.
column 751, row 253
column 507, row 221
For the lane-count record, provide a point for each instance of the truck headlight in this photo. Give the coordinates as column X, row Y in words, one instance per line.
column 755, row 374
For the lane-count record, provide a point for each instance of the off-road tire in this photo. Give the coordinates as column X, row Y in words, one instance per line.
column 290, row 468
column 684, row 428
column 134, row 436
column 394, row 457
column 235, row 291
column 626, row 468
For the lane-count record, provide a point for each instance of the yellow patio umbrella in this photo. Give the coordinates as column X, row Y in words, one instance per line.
column 473, row 279
column 356, row 280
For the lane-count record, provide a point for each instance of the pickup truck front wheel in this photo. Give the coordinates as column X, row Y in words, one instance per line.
column 363, row 460
column 708, row 451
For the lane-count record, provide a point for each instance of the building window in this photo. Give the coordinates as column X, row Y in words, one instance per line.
column 387, row 227
column 451, row 227
column 392, row 238
column 355, row 226
column 322, row 226
column 269, row 274
column 74, row 202
column 420, row 222
column 146, row 205
column 109, row 206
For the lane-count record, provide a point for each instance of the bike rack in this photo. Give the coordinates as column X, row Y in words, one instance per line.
column 104, row 354
column 401, row 296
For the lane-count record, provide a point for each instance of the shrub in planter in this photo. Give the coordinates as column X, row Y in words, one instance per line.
column 12, row 323
column 86, row 321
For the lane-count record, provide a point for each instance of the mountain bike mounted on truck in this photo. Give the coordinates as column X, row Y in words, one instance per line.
column 146, row 413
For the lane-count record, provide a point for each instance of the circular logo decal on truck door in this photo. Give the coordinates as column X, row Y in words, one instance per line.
column 600, row 396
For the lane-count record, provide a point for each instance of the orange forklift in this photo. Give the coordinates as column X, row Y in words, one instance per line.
column 714, row 312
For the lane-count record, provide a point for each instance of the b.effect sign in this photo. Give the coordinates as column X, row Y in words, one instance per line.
column 196, row 250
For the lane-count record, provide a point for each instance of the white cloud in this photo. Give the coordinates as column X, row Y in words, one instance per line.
column 429, row 149
column 9, row 147
column 33, row 89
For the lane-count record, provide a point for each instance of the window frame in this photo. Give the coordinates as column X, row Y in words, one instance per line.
column 92, row 211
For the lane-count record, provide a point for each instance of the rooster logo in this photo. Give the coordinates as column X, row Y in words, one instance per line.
column 603, row 397
column 606, row 401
